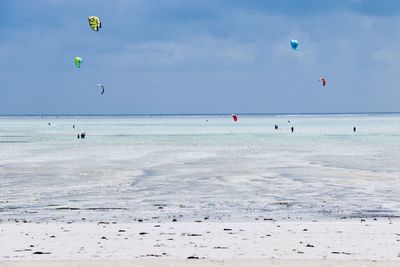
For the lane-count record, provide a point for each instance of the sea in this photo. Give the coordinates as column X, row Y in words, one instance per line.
column 199, row 168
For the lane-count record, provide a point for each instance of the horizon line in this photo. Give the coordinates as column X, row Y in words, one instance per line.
column 200, row 114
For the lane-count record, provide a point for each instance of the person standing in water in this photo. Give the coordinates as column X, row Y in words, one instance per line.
column 292, row 129
column 354, row 129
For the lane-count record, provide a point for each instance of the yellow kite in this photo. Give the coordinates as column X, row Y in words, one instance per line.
column 95, row 23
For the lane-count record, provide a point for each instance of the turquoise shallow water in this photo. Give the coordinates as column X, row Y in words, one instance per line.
column 192, row 167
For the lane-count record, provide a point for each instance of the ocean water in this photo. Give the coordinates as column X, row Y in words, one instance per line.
column 158, row 168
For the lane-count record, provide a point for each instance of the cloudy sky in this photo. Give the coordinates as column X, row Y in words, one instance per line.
column 199, row 56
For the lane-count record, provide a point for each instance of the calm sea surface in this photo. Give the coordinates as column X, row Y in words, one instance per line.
column 194, row 167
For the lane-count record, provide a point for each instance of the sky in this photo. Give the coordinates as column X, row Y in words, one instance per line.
column 199, row 56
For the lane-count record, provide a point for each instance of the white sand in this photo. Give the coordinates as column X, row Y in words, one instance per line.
column 208, row 263
column 337, row 240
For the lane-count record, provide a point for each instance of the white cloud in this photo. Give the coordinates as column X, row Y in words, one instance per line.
column 197, row 50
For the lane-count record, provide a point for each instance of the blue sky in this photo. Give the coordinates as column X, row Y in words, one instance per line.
column 199, row 56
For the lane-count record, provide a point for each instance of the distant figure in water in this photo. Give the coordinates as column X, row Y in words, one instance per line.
column 79, row 136
column 73, row 126
column 292, row 129
column 276, row 127
column 354, row 129
column 49, row 123
column 83, row 134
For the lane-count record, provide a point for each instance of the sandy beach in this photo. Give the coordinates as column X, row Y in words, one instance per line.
column 202, row 263
column 268, row 243
column 179, row 194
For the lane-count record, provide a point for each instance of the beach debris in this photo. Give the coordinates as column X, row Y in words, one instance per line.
column 294, row 44
column 100, row 86
column 159, row 205
column 78, row 61
column 155, row 255
column 143, row 233
column 94, row 23
column 309, row 246
column 323, row 81
column 234, row 117
column 194, row 235
column 192, row 258
column 40, row 253
column 338, row 252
